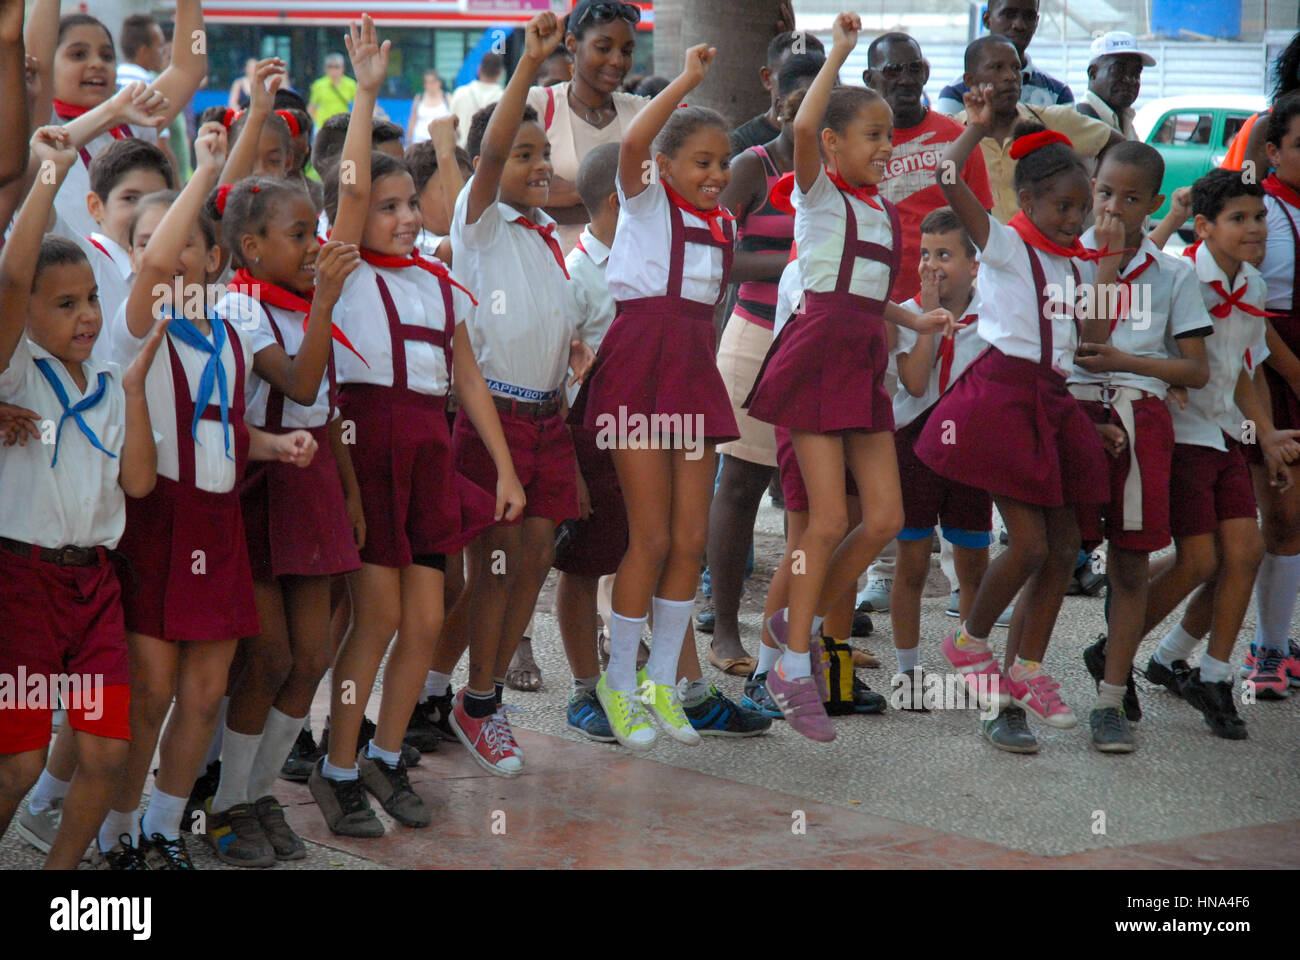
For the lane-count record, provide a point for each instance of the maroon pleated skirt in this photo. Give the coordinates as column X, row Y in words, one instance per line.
column 295, row 518
column 189, row 555
column 825, row 371
column 1010, row 426
column 1286, row 405
column 658, row 360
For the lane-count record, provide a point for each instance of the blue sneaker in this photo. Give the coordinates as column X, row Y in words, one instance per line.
column 716, row 716
column 585, row 715
column 757, row 698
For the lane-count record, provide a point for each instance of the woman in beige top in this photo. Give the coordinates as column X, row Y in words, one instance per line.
column 590, row 109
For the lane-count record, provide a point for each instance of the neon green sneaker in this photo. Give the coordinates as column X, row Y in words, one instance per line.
column 665, row 702
column 628, row 719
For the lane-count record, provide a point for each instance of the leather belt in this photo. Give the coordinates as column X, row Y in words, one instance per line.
column 61, row 556
column 529, row 411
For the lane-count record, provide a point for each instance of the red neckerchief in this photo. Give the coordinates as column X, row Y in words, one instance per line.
column 547, row 233
column 1230, row 300
column 712, row 217
column 393, row 262
column 947, row 350
column 277, row 296
column 866, row 194
column 100, row 247
column 1035, row 238
column 1276, row 188
column 1126, row 284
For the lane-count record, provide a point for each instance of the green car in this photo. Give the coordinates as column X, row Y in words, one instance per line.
column 1192, row 133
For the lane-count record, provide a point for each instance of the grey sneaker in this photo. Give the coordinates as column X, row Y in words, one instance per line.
column 286, row 844
column 1110, row 730
column 39, row 829
column 876, row 596
column 343, row 804
column 1009, row 731
column 237, row 837
column 392, row 789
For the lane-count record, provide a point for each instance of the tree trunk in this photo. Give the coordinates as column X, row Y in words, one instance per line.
column 741, row 31
column 669, row 53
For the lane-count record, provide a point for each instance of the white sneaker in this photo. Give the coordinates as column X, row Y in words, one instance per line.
column 39, row 829
column 876, row 596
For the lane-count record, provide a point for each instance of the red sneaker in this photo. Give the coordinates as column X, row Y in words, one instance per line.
column 485, row 740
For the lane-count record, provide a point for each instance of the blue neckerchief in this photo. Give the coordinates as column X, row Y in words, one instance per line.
column 214, row 371
column 75, row 411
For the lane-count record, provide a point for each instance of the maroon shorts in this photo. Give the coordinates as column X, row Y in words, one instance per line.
column 542, row 451
column 1207, row 487
column 599, row 542
column 793, row 492
column 1154, row 444
column 928, row 498
column 61, row 631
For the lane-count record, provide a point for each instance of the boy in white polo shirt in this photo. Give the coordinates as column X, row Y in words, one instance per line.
column 62, row 510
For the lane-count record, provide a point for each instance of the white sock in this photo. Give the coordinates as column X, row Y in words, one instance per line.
column 214, row 748
column 970, row 636
column 1276, row 588
column 436, row 684
column 624, row 636
column 332, row 772
column 908, row 659
column 375, row 752
column 817, row 626
column 116, row 825
column 163, row 815
column 278, row 736
column 1178, row 644
column 767, row 657
column 671, row 617
column 306, row 722
column 796, row 665
column 48, row 789
column 237, row 755
column 1215, row 671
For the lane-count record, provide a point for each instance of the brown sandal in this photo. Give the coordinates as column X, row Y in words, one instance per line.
column 733, row 666
column 523, row 673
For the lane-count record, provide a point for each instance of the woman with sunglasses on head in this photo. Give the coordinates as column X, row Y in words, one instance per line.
column 590, row 109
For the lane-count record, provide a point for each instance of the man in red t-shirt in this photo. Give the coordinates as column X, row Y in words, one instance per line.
column 897, row 71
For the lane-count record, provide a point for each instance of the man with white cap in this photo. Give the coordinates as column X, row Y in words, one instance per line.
column 1114, row 79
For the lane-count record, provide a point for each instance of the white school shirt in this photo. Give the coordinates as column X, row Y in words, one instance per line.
column 79, row 501
column 1167, row 294
column 1236, row 344
column 966, row 348
column 427, row 243
column 113, row 276
column 214, row 471
column 1006, row 280
column 593, row 307
column 417, row 297
column 524, row 322
column 819, row 226
column 74, row 220
column 247, row 316
column 789, row 295
column 639, row 259
column 1278, row 268
column 322, row 226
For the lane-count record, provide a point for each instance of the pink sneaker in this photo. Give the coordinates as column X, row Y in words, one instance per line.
column 1038, row 693
column 779, row 628
column 975, row 660
column 1289, row 668
column 801, row 705
column 483, row 738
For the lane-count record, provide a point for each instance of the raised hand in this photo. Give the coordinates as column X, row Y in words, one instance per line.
column 334, row 263
column 270, row 76
column 442, row 131
column 698, row 60
column 140, row 105
column 1180, row 204
column 52, row 145
column 844, row 32
column 978, row 101
column 210, row 147
column 369, row 56
column 542, row 35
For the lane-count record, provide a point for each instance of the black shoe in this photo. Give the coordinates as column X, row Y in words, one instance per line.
column 121, row 856
column 909, row 691
column 344, row 805
column 1094, row 658
column 1215, row 702
column 1110, row 730
column 866, row 700
column 437, row 713
column 420, row 733
column 392, row 788
column 861, row 623
column 1173, row 678
column 1009, row 731
column 204, row 787
column 1086, row 582
column 159, row 853
column 297, row 766
column 410, row 755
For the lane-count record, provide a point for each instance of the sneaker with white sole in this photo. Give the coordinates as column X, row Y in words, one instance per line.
column 665, row 703
column 974, row 660
column 876, row 596
column 628, row 718
column 40, row 829
column 1040, row 694
column 485, row 740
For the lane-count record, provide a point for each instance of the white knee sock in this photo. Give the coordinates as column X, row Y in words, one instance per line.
column 278, row 736
column 671, row 617
column 164, row 815
column 1178, row 644
column 214, row 748
column 624, row 636
column 908, row 659
column 1276, row 588
column 115, row 826
column 237, row 756
column 767, row 657
column 48, row 789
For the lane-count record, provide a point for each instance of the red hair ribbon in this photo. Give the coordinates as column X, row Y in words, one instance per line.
column 254, row 189
column 291, row 120
column 780, row 197
column 1032, row 141
column 223, row 194
column 229, row 117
